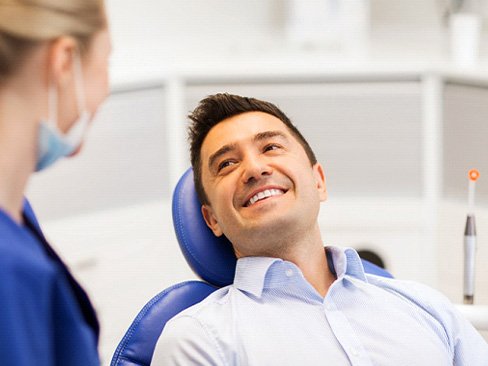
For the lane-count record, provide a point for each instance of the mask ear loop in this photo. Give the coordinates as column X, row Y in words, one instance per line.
column 52, row 105
column 79, row 84
column 79, row 90
column 77, row 131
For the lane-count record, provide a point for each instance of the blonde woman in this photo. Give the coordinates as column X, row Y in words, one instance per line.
column 53, row 77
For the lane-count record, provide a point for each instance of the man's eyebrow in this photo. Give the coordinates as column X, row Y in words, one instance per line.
column 269, row 134
column 216, row 155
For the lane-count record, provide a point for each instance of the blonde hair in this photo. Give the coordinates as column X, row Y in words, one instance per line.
column 25, row 24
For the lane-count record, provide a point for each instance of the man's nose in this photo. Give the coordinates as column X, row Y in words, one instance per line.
column 255, row 167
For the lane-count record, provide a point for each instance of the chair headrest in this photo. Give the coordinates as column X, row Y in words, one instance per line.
column 211, row 258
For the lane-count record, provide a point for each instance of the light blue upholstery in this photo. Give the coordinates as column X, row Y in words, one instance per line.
column 211, row 258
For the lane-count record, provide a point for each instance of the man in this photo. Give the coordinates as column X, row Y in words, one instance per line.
column 292, row 303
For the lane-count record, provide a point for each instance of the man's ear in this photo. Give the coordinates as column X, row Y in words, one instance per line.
column 318, row 173
column 211, row 220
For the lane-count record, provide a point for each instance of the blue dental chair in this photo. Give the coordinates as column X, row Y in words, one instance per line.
column 211, row 258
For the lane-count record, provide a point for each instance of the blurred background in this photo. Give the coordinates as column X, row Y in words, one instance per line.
column 391, row 94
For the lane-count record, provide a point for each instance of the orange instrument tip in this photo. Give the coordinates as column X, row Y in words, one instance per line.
column 473, row 175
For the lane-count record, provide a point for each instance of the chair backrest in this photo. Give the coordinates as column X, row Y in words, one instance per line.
column 211, row 258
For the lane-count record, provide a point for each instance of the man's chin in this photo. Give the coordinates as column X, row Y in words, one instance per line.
column 270, row 226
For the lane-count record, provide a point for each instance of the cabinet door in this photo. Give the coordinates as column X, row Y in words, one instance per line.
column 367, row 135
column 465, row 140
column 124, row 161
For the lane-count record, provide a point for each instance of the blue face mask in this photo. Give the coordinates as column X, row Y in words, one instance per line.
column 52, row 143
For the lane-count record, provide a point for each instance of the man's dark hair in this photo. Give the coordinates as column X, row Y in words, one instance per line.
column 216, row 108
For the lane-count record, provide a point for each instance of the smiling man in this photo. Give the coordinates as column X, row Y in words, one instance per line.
column 292, row 302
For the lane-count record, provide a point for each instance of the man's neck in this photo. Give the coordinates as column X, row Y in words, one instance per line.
column 306, row 251
column 315, row 268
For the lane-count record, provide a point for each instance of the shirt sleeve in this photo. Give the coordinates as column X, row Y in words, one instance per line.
column 186, row 341
column 470, row 348
column 467, row 345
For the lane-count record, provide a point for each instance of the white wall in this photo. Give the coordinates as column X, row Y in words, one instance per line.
column 199, row 28
column 194, row 26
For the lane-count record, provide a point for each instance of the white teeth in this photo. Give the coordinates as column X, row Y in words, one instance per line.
column 264, row 194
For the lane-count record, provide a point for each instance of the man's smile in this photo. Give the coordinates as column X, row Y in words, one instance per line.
column 262, row 194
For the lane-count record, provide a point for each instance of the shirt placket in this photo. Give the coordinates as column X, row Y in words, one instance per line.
column 342, row 330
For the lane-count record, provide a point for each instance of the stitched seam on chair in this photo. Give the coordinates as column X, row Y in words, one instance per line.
column 140, row 316
column 127, row 359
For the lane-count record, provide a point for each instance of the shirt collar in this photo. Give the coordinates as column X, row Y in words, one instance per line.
column 347, row 262
column 253, row 274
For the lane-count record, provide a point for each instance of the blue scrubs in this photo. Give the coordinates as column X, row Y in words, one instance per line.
column 46, row 318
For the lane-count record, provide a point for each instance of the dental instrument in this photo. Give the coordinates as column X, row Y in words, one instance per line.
column 470, row 241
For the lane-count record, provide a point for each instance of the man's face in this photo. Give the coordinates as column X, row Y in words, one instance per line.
column 259, row 182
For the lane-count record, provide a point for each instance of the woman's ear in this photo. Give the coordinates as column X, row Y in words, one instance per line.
column 319, row 174
column 211, row 220
column 61, row 59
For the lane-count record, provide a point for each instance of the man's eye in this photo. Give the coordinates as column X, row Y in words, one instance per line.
column 224, row 164
column 271, row 147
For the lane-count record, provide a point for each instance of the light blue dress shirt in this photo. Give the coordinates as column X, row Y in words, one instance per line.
column 272, row 316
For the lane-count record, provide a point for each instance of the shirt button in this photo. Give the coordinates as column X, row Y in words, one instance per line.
column 354, row 352
column 289, row 272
